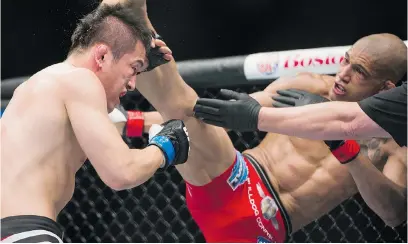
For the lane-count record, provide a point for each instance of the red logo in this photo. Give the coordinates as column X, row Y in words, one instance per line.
column 299, row 61
column 267, row 68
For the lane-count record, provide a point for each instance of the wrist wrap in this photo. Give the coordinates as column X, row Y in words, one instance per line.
column 347, row 151
column 134, row 124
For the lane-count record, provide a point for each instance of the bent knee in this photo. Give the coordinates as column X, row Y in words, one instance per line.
column 198, row 172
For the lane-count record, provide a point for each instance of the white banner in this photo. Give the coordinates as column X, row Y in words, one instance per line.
column 272, row 65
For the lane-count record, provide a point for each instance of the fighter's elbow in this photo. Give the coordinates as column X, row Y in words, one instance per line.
column 116, row 182
column 121, row 184
column 395, row 221
column 118, row 179
column 117, row 185
column 126, row 180
column 395, row 216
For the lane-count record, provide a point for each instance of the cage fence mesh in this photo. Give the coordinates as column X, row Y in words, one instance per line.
column 156, row 211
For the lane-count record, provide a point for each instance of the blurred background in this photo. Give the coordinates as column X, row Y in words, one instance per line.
column 36, row 34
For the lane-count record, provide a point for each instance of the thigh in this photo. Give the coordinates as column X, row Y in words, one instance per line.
column 211, row 152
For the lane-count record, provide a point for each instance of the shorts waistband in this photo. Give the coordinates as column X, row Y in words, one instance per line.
column 261, row 172
column 22, row 223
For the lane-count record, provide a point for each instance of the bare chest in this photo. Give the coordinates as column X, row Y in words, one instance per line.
column 293, row 161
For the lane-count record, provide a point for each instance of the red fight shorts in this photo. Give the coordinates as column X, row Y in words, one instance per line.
column 240, row 205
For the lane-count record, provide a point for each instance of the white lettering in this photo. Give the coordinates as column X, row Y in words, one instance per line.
column 252, row 201
column 264, row 230
column 256, row 212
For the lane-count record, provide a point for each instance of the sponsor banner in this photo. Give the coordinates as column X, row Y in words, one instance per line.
column 272, row 65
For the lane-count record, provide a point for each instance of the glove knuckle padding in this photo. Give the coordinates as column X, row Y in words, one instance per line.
column 175, row 131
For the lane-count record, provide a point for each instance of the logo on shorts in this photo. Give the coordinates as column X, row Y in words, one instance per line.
column 239, row 174
column 261, row 239
column 269, row 208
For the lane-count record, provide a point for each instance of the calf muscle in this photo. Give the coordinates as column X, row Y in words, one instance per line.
column 211, row 149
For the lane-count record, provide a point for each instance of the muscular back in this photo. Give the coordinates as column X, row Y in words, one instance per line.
column 309, row 179
column 40, row 153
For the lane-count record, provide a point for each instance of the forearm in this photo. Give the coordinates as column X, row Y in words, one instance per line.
column 137, row 124
column 139, row 167
column 324, row 121
column 151, row 118
column 384, row 197
column 317, row 121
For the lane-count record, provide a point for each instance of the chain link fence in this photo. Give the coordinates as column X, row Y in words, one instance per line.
column 156, row 211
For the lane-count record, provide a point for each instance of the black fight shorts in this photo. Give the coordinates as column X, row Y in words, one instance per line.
column 29, row 229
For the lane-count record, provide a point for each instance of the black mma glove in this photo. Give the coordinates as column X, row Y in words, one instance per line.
column 345, row 151
column 241, row 114
column 155, row 57
column 172, row 138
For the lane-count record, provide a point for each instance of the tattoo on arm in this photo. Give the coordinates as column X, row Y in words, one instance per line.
column 373, row 149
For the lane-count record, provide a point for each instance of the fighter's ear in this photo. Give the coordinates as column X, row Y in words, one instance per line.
column 101, row 50
column 388, row 85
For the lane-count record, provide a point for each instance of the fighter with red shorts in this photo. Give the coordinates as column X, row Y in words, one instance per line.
column 284, row 183
column 238, row 204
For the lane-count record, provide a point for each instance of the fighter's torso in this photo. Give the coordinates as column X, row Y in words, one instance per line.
column 40, row 154
column 310, row 181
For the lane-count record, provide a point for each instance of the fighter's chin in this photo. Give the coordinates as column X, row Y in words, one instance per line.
column 111, row 107
column 336, row 95
column 332, row 96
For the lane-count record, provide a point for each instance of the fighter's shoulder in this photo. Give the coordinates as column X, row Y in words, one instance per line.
column 80, row 76
column 60, row 77
column 311, row 75
column 306, row 81
column 80, row 81
column 318, row 80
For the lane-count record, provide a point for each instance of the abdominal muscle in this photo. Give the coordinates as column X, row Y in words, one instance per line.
column 310, row 181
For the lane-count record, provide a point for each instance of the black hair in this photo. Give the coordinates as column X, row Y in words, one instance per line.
column 119, row 26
